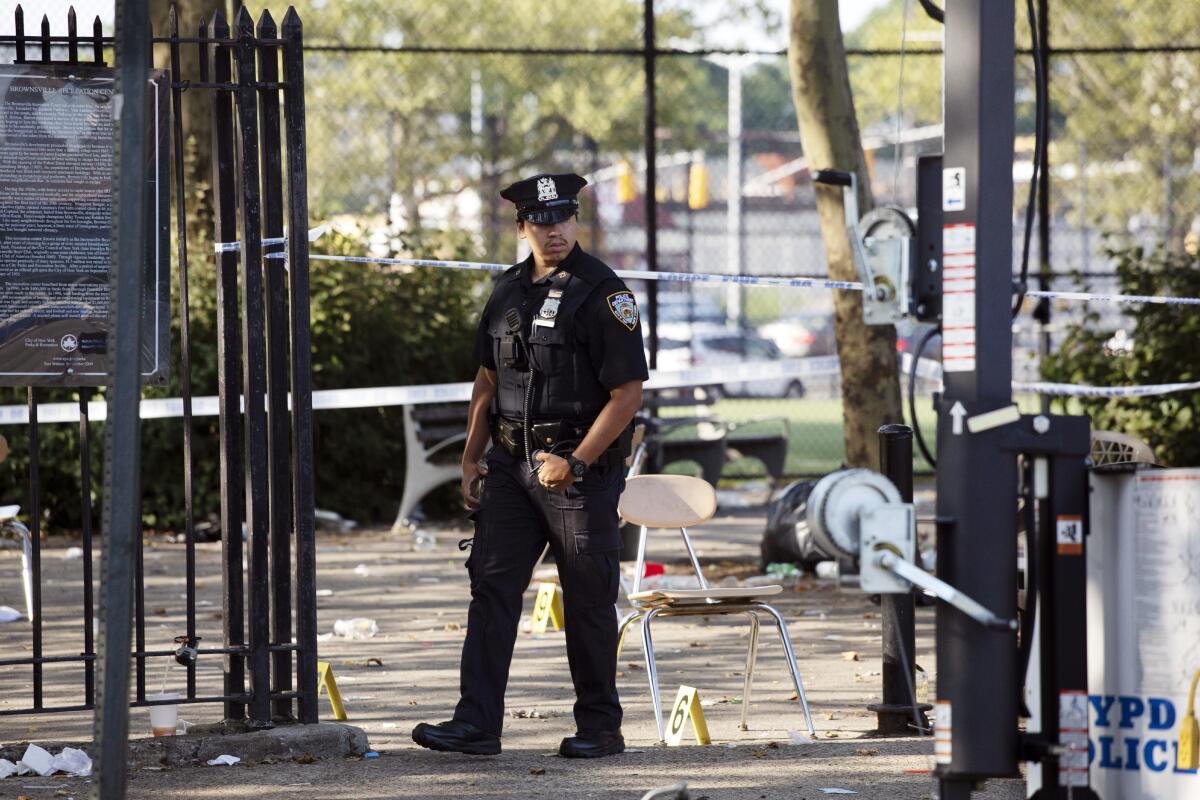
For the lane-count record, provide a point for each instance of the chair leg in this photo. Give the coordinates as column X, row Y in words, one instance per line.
column 791, row 659
column 652, row 672
column 630, row 617
column 751, row 657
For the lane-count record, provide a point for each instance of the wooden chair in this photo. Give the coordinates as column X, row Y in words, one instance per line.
column 679, row 501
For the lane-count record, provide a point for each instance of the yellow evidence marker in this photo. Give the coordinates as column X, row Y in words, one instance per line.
column 325, row 680
column 1187, row 756
column 548, row 608
column 687, row 706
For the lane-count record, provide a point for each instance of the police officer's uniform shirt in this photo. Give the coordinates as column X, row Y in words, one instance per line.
column 605, row 326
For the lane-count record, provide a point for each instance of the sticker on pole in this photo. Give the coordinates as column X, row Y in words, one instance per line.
column 1069, row 529
column 954, row 189
column 958, row 298
column 942, row 728
column 1073, row 737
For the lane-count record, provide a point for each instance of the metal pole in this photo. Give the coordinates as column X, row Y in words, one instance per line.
column 229, row 381
column 303, row 503
column 254, row 372
column 976, row 720
column 279, row 428
column 651, row 150
column 1044, row 192
column 733, row 223
column 122, row 501
column 896, row 712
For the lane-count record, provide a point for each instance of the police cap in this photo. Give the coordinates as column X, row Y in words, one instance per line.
column 545, row 199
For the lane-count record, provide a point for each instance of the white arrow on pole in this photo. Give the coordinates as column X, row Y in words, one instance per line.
column 958, row 413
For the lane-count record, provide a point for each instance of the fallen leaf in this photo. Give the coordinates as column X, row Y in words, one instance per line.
column 830, row 715
column 537, row 770
column 831, row 734
column 412, row 702
column 867, row 751
column 453, row 626
column 305, row 758
column 773, row 745
column 849, row 655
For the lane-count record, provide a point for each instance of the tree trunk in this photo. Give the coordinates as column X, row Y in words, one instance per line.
column 197, row 107
column 830, row 138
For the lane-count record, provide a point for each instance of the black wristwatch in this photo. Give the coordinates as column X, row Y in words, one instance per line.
column 578, row 468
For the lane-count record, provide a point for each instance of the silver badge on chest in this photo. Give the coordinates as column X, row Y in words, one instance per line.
column 548, row 314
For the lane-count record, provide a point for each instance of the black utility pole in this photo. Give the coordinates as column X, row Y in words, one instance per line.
column 1043, row 133
column 976, row 716
column 122, row 486
column 651, row 149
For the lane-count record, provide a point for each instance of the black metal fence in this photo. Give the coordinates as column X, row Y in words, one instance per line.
column 253, row 79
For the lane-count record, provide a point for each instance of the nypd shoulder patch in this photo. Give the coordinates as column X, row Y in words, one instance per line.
column 624, row 308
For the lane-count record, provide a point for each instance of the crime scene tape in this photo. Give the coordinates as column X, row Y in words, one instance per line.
column 1074, row 390
column 739, row 280
column 679, row 277
column 379, row 396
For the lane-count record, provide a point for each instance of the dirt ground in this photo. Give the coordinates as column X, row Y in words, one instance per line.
column 407, row 674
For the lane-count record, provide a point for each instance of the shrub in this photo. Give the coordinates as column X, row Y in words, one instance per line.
column 1161, row 349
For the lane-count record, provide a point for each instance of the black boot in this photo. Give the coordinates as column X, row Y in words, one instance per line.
column 593, row 744
column 456, row 737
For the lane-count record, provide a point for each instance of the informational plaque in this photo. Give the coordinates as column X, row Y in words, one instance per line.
column 56, row 205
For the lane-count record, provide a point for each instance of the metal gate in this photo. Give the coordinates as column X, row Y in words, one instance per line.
column 253, row 77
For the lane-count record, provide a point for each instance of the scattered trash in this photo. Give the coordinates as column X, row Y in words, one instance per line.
column 669, row 582
column 9, row 614
column 827, row 569
column 72, row 554
column 357, row 628
column 429, row 579
column 676, row 792
column 333, row 521
column 389, row 724
column 36, row 760
column 815, row 612
column 423, row 541
column 362, row 570
column 74, row 762
column 527, row 713
column 324, row 592
column 837, row 791
column 164, row 718
column 7, row 768
column 761, row 580
column 223, row 761
column 799, row 737
column 370, row 754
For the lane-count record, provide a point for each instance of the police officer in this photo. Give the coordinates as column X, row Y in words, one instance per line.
column 560, row 379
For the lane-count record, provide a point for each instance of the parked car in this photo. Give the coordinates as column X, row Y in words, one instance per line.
column 715, row 349
column 806, row 333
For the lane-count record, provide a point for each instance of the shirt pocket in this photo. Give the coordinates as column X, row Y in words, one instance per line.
column 550, row 349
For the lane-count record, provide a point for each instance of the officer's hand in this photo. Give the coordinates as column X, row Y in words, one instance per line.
column 555, row 472
column 472, row 482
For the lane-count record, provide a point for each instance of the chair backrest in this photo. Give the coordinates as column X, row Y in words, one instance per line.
column 667, row 501
column 1112, row 447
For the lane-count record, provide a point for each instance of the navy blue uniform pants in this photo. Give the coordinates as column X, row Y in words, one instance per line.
column 517, row 516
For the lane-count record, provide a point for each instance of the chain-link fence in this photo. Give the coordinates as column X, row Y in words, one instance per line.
column 418, row 113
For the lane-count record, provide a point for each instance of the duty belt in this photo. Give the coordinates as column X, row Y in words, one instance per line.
column 559, row 437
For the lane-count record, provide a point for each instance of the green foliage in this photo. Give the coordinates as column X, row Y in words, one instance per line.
column 371, row 326
column 384, row 326
column 1163, row 350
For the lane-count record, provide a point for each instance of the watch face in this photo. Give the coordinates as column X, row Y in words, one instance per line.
column 578, row 468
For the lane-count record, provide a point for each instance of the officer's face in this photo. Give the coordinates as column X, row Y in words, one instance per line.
column 550, row 244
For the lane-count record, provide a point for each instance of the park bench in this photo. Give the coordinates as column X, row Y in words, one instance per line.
column 434, row 434
column 710, row 442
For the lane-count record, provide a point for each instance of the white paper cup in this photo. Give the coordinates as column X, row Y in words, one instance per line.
column 163, row 719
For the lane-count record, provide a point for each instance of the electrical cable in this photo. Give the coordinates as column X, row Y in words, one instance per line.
column 932, row 11
column 912, row 396
column 899, row 106
column 1039, row 147
column 919, row 721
